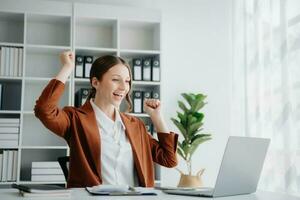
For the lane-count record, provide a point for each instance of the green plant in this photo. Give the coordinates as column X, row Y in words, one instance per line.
column 190, row 123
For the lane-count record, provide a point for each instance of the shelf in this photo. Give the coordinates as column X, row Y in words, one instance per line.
column 48, row 30
column 7, row 182
column 11, row 90
column 44, row 34
column 36, row 79
column 92, row 32
column 41, row 182
column 44, row 79
column 146, row 35
column 36, row 87
column 46, row 49
column 138, row 53
column 93, row 51
column 147, row 83
column 9, row 147
column 43, row 60
column 82, row 80
column 32, row 155
column 11, row 44
column 11, row 28
column 44, row 147
column 10, row 111
column 28, row 112
column 10, row 78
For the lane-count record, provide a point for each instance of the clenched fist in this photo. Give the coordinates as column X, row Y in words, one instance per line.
column 67, row 59
column 152, row 106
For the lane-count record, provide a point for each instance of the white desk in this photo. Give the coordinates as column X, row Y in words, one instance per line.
column 81, row 194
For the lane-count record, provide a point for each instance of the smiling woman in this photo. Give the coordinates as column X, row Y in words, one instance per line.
column 106, row 146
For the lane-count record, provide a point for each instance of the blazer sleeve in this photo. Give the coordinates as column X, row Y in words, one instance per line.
column 164, row 150
column 47, row 110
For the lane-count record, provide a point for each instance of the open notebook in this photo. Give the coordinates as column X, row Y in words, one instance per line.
column 119, row 190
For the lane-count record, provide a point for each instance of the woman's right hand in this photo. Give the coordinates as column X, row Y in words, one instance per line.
column 67, row 59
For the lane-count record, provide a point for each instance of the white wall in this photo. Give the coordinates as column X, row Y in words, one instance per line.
column 196, row 57
column 196, row 48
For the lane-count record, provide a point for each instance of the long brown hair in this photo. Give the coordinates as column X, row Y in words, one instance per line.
column 100, row 66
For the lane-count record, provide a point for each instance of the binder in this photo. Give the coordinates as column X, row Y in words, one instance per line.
column 137, row 69
column 147, row 69
column 81, row 96
column 155, row 95
column 137, row 102
column 146, row 95
column 155, row 69
column 0, row 96
column 1, row 70
column 148, row 126
column 79, row 67
column 20, row 62
column 88, row 60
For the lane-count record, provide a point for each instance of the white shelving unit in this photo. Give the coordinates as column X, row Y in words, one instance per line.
column 86, row 29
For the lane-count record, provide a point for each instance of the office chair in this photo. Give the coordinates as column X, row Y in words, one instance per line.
column 64, row 164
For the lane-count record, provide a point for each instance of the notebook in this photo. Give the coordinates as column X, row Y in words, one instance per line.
column 42, row 190
column 119, row 190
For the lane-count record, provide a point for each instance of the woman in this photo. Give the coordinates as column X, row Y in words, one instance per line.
column 106, row 146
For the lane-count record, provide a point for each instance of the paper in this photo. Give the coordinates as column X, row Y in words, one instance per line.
column 108, row 188
column 119, row 190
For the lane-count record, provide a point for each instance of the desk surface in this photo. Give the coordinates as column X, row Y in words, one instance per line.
column 80, row 193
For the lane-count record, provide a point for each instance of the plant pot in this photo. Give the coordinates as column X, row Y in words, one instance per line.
column 191, row 181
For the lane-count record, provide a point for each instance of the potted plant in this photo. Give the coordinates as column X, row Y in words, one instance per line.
column 190, row 122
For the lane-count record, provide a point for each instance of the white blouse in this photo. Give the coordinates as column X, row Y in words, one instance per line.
column 117, row 165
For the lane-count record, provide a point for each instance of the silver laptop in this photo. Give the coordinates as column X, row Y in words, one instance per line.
column 240, row 169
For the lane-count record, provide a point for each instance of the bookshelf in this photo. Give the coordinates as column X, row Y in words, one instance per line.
column 43, row 35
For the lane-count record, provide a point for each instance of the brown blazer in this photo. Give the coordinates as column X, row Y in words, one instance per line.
column 79, row 128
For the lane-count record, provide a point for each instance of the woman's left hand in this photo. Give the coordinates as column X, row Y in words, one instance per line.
column 152, row 107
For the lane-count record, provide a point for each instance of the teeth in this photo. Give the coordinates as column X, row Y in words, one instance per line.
column 118, row 94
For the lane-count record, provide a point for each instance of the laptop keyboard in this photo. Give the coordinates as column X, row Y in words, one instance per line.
column 196, row 192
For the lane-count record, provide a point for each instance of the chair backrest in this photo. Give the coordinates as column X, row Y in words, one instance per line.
column 64, row 164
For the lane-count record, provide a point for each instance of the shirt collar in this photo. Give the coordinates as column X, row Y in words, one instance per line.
column 106, row 122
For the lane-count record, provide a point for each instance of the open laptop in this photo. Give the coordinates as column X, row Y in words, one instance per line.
column 240, row 169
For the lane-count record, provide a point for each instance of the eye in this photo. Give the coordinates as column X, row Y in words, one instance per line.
column 115, row 79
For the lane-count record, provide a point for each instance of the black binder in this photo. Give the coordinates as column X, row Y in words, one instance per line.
column 88, row 60
column 79, row 67
column 81, row 96
column 146, row 95
column 155, row 95
column 147, row 69
column 148, row 126
column 137, row 69
column 137, row 102
column 155, row 70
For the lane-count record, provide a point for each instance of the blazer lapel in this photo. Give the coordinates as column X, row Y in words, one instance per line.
column 135, row 140
column 93, row 136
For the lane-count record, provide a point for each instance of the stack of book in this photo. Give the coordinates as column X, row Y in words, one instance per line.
column 47, row 171
column 11, row 61
column 8, row 165
column 42, row 190
column 9, row 132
